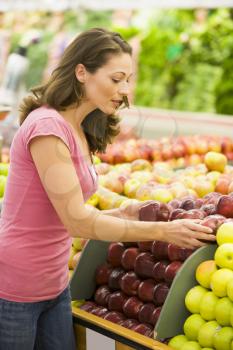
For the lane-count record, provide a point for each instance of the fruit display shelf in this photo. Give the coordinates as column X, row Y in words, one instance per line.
column 173, row 312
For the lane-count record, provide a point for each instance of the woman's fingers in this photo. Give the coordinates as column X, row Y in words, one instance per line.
column 198, row 227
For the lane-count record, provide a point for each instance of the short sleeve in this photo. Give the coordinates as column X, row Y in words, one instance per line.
column 45, row 127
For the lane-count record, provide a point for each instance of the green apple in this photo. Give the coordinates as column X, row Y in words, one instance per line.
column 204, row 272
column 207, row 307
column 230, row 290
column 162, row 195
column 3, row 180
column 225, row 233
column 231, row 318
column 223, row 338
column 77, row 303
column 206, row 333
column 4, row 168
column 223, row 309
column 178, row 341
column 96, row 160
column 193, row 299
column 192, row 326
column 219, row 281
column 224, row 255
column 191, row 345
column 78, row 243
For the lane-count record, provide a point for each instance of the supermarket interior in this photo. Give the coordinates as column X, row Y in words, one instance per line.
column 146, row 241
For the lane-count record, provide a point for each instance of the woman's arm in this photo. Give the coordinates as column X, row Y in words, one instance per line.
column 59, row 179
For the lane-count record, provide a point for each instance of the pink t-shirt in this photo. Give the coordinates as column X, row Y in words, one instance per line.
column 34, row 244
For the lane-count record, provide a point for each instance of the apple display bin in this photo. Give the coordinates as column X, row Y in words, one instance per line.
column 173, row 314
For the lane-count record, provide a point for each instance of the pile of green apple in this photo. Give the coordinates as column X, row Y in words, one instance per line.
column 210, row 325
column 4, row 167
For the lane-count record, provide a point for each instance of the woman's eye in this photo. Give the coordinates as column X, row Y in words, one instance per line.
column 115, row 81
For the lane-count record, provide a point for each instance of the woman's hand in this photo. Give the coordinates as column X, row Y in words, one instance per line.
column 187, row 233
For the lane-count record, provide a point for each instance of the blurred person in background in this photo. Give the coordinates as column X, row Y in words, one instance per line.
column 63, row 123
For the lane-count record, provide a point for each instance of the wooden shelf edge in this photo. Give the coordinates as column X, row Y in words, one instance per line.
column 119, row 330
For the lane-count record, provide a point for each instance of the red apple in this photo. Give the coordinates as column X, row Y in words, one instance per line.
column 176, row 214
column 144, row 264
column 163, row 213
column 115, row 278
column 160, row 293
column 129, row 257
column 115, row 317
column 209, row 209
column 149, row 212
column 213, row 221
column 129, row 323
column 198, row 203
column 132, row 307
column 102, row 295
column 146, row 290
column 146, row 312
column 188, row 204
column 88, row 306
column 178, row 253
column 159, row 270
column 100, row 311
column 155, row 315
column 211, row 198
column 222, row 185
column 129, row 283
column 145, row 246
column 174, row 204
column 115, row 251
column 225, row 206
column 172, row 270
column 145, row 329
column 102, row 273
column 116, row 301
column 160, row 250
column 193, row 214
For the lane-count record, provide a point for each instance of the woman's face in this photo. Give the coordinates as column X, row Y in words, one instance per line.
column 106, row 87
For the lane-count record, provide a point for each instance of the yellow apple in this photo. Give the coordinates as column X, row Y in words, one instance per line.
column 161, row 195
column 222, row 338
column 192, row 325
column 178, row 341
column 224, row 256
column 230, row 290
column 191, row 345
column 225, row 233
column 93, row 200
column 207, row 307
column 193, row 299
column 215, row 161
column 130, row 187
column 204, row 187
column 204, row 272
column 223, row 309
column 206, row 333
column 219, row 281
column 73, row 251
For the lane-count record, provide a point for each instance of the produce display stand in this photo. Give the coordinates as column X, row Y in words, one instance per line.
column 173, row 314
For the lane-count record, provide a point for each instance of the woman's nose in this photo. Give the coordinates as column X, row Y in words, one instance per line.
column 124, row 89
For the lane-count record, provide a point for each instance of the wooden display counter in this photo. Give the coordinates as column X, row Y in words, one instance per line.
column 124, row 339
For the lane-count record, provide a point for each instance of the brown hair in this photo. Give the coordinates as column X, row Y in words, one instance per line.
column 92, row 48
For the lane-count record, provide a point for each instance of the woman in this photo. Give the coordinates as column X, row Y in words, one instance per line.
column 51, row 176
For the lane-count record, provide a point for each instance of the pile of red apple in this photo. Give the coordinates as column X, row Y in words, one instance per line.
column 134, row 282
column 189, row 150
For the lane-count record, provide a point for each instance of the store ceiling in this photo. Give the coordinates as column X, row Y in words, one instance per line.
column 60, row 5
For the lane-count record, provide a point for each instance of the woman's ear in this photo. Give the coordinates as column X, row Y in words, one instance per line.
column 80, row 73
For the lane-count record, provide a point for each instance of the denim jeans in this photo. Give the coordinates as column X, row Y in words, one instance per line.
column 44, row 325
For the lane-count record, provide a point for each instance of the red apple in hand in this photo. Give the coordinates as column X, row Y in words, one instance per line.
column 116, row 301
column 129, row 257
column 176, row 214
column 149, row 212
column 163, row 213
column 160, row 293
column 132, row 307
column 102, row 273
column 213, row 221
column 102, row 295
column 160, row 250
column 146, row 290
column 174, row 204
column 158, row 272
column 115, row 278
column 129, row 283
column 172, row 270
column 115, row 251
column 144, row 264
